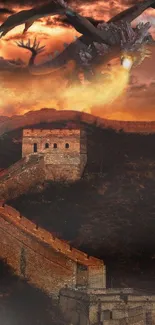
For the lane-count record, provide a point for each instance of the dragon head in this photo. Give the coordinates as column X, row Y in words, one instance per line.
column 134, row 50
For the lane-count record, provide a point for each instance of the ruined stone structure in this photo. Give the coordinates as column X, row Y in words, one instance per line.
column 64, row 151
column 45, row 261
column 107, row 307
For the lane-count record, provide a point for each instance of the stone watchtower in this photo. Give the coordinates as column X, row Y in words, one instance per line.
column 64, row 151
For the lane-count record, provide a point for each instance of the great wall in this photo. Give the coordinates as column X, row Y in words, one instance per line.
column 21, row 176
column 51, row 264
column 35, row 254
column 46, row 115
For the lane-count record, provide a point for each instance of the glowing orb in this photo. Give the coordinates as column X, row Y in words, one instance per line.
column 127, row 63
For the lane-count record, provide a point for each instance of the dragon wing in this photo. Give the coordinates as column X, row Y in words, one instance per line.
column 95, row 22
column 28, row 17
column 86, row 27
column 133, row 12
column 80, row 23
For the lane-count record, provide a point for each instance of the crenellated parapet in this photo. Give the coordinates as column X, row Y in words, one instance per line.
column 21, row 177
column 52, row 115
column 64, row 151
column 43, row 259
column 32, row 229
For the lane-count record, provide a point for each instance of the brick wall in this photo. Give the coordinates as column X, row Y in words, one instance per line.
column 63, row 173
column 75, row 307
column 47, row 262
column 20, row 177
column 64, row 151
column 135, row 320
column 60, row 137
column 136, row 310
column 52, row 115
column 127, row 126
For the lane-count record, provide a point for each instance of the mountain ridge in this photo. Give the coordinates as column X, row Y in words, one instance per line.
column 46, row 115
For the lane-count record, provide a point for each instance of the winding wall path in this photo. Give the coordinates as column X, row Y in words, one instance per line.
column 51, row 115
column 45, row 261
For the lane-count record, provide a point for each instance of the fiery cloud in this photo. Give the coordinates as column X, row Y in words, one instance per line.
column 19, row 94
column 98, row 94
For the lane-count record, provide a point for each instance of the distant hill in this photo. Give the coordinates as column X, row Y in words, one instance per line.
column 48, row 115
column 3, row 119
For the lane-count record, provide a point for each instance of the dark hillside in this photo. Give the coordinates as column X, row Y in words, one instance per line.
column 110, row 213
column 107, row 148
column 23, row 304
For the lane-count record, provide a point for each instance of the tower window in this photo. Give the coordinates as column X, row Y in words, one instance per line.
column 35, row 149
column 55, row 145
column 67, row 145
column 46, row 145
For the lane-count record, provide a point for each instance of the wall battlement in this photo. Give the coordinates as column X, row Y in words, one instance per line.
column 64, row 151
column 44, row 260
column 52, row 115
column 21, row 177
column 44, row 133
column 14, row 216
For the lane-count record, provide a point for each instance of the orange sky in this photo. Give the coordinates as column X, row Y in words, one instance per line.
column 138, row 105
column 52, row 34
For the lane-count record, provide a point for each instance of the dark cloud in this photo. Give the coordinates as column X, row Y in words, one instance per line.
column 6, row 11
column 20, row 2
column 24, row 3
column 112, row 3
column 34, row 3
column 141, row 96
column 128, row 2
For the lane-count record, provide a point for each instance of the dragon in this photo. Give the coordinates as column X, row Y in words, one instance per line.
column 99, row 42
